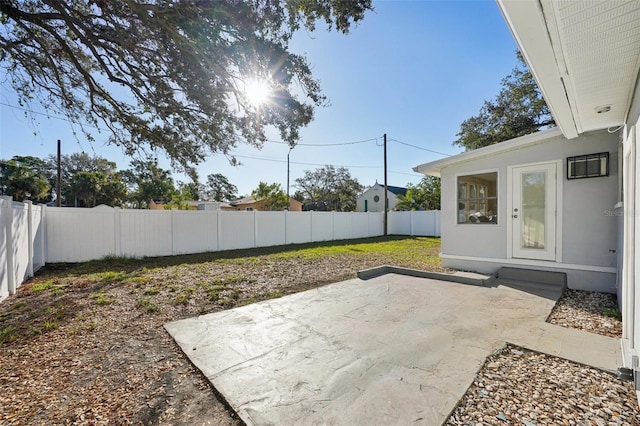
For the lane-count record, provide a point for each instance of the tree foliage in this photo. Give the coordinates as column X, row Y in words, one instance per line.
column 328, row 188
column 189, row 191
column 146, row 181
column 89, row 189
column 276, row 198
column 518, row 110
column 423, row 196
column 218, row 188
column 23, row 178
column 87, row 181
column 168, row 74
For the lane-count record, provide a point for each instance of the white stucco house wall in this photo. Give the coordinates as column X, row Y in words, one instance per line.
column 543, row 201
column 515, row 204
column 372, row 199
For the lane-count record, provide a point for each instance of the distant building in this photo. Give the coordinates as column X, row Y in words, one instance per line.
column 164, row 205
column 250, row 203
column 372, row 200
column 211, row 206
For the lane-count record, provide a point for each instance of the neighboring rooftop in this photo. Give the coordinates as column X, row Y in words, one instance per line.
column 397, row 190
column 245, row 200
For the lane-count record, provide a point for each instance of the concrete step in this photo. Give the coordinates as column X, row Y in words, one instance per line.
column 532, row 276
column 546, row 290
column 549, row 285
column 470, row 278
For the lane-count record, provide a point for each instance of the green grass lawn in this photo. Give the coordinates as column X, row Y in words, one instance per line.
column 180, row 286
column 76, row 332
column 417, row 252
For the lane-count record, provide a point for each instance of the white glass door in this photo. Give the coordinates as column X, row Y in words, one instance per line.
column 533, row 216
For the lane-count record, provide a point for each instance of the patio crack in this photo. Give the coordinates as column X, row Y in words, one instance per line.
column 244, row 361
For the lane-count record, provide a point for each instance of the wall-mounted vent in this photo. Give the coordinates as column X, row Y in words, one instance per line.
column 588, row 166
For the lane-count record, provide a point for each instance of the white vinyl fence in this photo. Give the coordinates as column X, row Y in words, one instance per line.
column 22, row 249
column 32, row 235
column 77, row 235
column 420, row 223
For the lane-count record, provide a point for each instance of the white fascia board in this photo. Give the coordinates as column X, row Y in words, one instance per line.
column 433, row 168
column 527, row 23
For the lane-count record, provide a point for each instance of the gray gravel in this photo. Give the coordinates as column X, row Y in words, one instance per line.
column 521, row 387
column 589, row 311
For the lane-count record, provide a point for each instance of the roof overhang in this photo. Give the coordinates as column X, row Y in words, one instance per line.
column 433, row 168
column 585, row 56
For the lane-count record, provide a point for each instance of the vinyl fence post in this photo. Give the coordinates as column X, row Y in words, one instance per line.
column 255, row 228
column 117, row 235
column 333, row 226
column 30, row 238
column 219, row 233
column 8, row 223
column 368, row 227
column 411, row 217
column 286, row 217
column 351, row 231
column 173, row 232
column 43, row 234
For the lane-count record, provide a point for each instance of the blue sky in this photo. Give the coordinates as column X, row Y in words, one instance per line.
column 411, row 69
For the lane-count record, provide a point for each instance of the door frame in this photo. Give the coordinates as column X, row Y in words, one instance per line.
column 630, row 235
column 559, row 165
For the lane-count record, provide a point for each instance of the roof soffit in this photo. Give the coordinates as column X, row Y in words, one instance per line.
column 597, row 48
column 584, row 55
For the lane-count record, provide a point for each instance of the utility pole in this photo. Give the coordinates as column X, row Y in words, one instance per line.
column 59, row 180
column 386, row 201
column 290, row 148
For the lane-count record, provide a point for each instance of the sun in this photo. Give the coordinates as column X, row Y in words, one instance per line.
column 257, row 92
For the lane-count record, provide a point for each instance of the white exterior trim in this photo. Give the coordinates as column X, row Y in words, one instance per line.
column 478, row 172
column 559, row 205
column 529, row 262
column 433, row 168
column 629, row 264
column 527, row 23
column 560, row 177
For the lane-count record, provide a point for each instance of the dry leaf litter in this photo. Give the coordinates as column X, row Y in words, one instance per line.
column 89, row 349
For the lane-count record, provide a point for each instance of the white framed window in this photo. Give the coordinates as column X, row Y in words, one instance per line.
column 477, row 198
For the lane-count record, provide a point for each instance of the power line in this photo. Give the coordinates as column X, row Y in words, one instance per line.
column 275, row 160
column 327, row 144
column 407, row 174
column 419, row 147
column 250, row 157
column 57, row 117
column 53, row 116
column 284, row 161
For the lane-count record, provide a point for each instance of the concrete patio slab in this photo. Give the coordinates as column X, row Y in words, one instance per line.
column 390, row 350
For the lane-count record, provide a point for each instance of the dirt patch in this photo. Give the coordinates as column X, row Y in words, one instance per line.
column 84, row 344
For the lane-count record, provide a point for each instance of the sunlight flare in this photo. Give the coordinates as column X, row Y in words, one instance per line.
column 257, row 92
